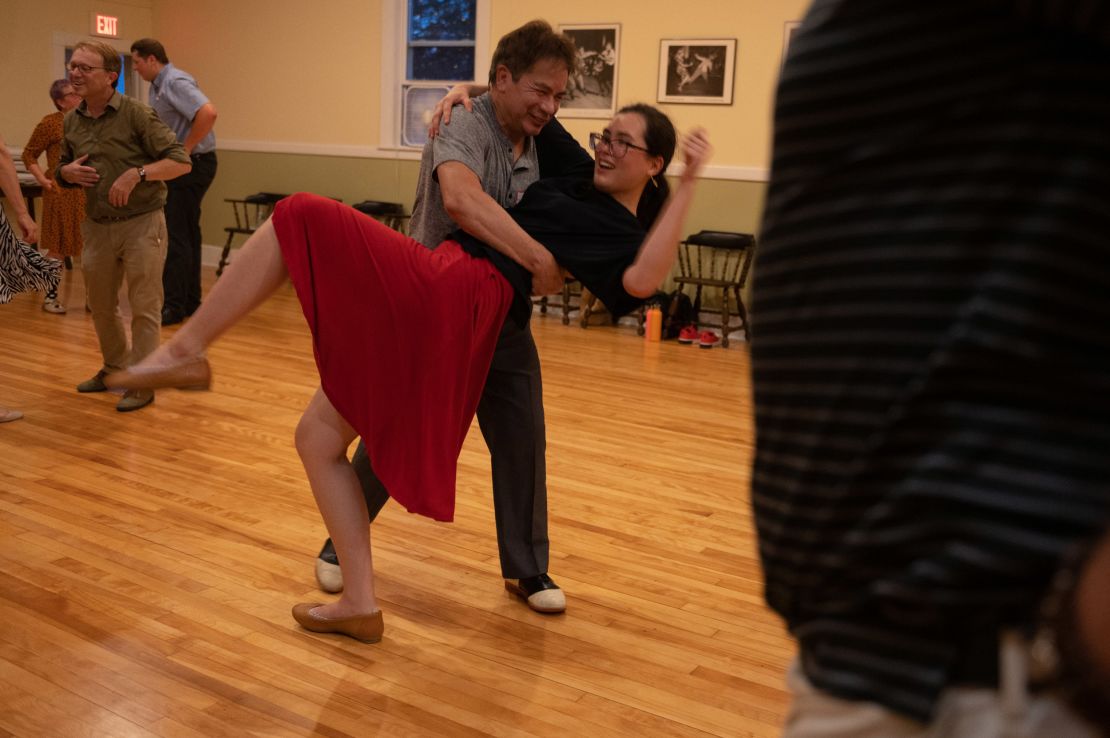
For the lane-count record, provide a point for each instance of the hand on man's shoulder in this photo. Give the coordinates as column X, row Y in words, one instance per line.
column 463, row 123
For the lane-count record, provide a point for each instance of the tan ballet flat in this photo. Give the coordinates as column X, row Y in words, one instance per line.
column 190, row 374
column 7, row 416
column 365, row 628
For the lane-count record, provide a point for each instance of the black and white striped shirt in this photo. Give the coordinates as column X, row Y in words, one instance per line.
column 931, row 344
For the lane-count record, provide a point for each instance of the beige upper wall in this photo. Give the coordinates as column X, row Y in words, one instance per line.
column 28, row 62
column 281, row 70
column 287, row 71
column 741, row 131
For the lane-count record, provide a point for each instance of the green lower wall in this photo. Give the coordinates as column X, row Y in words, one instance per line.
column 351, row 179
column 725, row 205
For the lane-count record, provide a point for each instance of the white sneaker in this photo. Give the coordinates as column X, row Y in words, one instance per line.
column 329, row 576
column 53, row 306
column 539, row 592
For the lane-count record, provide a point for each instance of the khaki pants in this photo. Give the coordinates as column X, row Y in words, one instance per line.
column 134, row 248
column 964, row 712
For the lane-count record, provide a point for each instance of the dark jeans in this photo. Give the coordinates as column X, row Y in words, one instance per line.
column 510, row 414
column 181, row 275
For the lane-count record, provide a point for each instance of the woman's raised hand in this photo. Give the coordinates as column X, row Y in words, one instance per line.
column 696, row 153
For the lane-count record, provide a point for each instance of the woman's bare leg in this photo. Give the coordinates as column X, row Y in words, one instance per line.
column 258, row 270
column 323, row 437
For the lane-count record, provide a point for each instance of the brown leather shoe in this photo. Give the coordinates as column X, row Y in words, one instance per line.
column 95, row 383
column 365, row 628
column 189, row 374
column 135, row 400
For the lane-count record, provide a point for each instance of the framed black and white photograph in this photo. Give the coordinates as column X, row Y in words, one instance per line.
column 592, row 90
column 697, row 70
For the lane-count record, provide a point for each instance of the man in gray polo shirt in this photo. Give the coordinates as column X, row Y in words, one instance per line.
column 477, row 167
column 181, row 105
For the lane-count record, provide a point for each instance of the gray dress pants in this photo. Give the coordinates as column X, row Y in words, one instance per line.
column 510, row 414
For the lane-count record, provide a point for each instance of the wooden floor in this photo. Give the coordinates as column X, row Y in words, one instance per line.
column 148, row 561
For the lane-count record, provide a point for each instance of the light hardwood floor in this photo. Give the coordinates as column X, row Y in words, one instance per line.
column 148, row 560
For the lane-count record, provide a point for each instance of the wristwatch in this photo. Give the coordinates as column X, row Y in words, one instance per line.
column 142, row 174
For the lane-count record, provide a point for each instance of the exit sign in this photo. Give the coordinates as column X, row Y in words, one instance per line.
column 105, row 25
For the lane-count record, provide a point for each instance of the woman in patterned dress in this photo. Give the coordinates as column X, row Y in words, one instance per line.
column 63, row 208
column 22, row 268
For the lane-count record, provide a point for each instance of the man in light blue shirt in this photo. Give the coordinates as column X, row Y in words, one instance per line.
column 182, row 106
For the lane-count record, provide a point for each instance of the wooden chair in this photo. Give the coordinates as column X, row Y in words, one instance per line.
column 574, row 295
column 391, row 214
column 563, row 300
column 589, row 306
column 250, row 212
column 719, row 260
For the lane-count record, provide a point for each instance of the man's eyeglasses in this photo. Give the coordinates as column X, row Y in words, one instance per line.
column 82, row 68
column 616, row 146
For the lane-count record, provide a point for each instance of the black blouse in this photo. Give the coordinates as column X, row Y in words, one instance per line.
column 590, row 234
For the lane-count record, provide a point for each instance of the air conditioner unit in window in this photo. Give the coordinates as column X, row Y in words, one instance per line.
column 417, row 101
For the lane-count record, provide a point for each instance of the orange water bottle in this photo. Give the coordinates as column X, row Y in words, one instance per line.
column 653, row 323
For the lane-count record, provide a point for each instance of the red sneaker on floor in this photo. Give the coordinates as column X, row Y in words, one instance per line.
column 688, row 334
column 708, row 339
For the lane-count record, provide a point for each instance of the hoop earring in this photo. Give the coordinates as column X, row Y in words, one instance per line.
column 654, row 183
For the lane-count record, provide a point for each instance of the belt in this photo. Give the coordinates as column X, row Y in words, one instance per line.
column 205, row 155
column 105, row 219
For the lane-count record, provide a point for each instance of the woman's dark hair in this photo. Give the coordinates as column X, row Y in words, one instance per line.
column 660, row 139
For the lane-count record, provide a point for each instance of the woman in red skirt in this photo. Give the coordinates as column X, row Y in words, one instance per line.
column 364, row 288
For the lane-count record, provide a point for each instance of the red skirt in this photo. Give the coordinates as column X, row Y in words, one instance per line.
column 403, row 337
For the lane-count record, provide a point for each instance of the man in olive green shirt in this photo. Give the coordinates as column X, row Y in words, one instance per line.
column 121, row 153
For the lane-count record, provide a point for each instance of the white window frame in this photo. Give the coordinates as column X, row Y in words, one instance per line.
column 395, row 63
